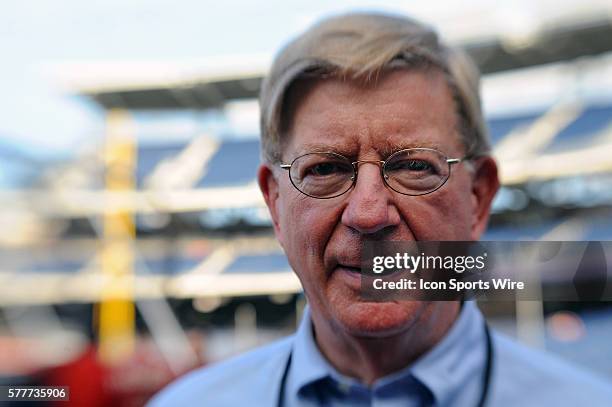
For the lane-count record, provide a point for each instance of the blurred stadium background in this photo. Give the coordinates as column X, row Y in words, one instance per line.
column 142, row 248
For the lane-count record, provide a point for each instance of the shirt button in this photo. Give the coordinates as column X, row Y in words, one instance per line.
column 344, row 388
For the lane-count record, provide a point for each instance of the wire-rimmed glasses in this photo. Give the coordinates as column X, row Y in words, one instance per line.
column 413, row 171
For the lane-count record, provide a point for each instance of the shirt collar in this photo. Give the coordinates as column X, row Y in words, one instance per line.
column 456, row 364
column 308, row 364
column 445, row 370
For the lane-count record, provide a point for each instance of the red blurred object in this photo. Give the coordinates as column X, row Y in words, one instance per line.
column 128, row 384
column 85, row 377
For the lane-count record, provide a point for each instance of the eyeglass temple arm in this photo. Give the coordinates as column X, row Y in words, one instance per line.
column 285, row 166
column 468, row 157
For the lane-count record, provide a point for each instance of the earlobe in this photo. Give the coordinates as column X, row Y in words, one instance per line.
column 484, row 187
column 268, row 184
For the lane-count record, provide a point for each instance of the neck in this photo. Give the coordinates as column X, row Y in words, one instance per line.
column 370, row 358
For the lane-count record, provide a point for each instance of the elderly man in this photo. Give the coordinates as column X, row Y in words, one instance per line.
column 372, row 129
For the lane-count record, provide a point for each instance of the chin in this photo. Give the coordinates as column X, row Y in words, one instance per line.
column 378, row 319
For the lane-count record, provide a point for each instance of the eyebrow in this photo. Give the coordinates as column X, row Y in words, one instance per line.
column 344, row 148
column 351, row 150
column 386, row 149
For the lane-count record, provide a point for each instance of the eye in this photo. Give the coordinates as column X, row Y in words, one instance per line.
column 327, row 169
column 411, row 165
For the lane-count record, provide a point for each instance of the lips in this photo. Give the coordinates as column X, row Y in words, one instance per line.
column 348, row 276
column 349, row 263
column 352, row 269
column 345, row 258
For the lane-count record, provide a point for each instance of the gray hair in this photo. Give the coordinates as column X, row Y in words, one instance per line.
column 360, row 46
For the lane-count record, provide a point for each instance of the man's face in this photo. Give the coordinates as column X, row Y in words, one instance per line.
column 323, row 237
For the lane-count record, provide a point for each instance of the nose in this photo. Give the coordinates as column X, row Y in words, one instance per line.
column 370, row 207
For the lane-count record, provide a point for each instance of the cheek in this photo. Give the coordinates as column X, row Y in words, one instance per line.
column 306, row 226
column 443, row 215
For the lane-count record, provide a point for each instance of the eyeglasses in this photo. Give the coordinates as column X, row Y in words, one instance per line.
column 413, row 171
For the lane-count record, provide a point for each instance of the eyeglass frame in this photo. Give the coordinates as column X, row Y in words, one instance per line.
column 381, row 164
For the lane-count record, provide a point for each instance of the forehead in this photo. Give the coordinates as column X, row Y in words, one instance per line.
column 399, row 109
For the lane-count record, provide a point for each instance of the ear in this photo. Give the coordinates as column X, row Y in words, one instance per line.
column 269, row 188
column 484, row 187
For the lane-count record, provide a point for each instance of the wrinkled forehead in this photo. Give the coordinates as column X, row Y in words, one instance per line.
column 335, row 113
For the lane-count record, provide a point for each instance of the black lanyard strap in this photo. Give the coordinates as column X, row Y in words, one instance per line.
column 488, row 371
column 283, row 382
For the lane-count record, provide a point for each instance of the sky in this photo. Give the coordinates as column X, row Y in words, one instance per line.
column 40, row 117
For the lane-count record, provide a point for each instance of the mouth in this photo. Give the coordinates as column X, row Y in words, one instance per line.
column 349, row 273
column 350, row 269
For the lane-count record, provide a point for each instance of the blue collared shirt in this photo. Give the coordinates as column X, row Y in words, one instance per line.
column 450, row 374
